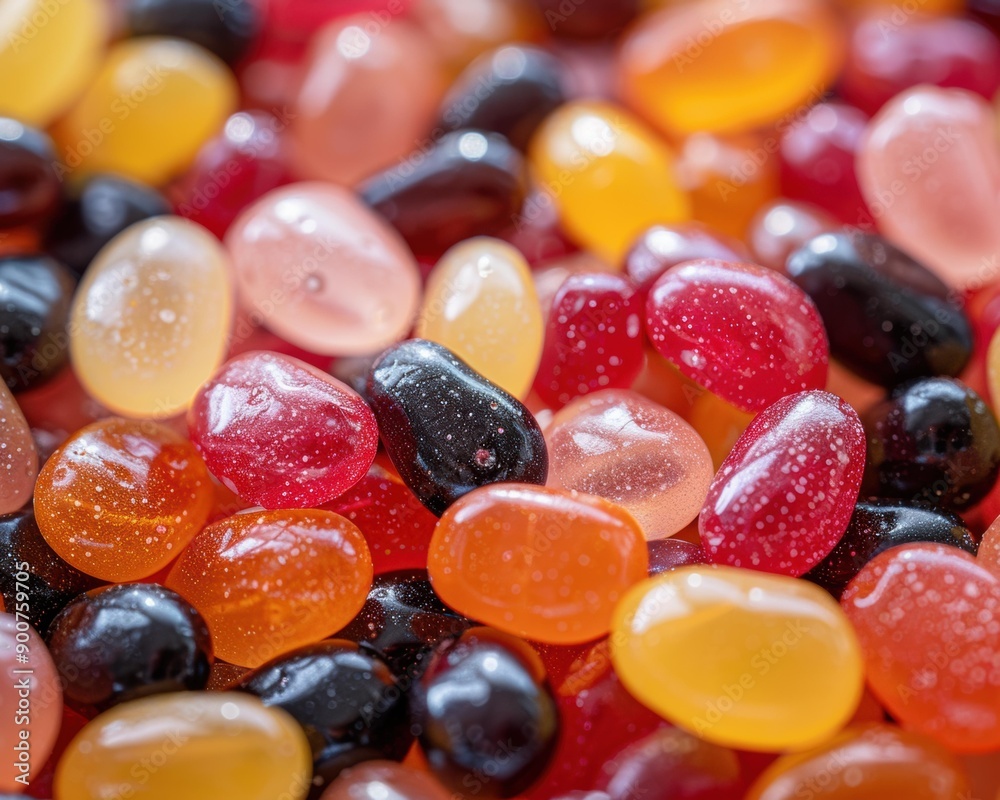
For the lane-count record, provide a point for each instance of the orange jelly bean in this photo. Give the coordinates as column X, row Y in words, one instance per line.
column 727, row 67
column 121, row 498
column 269, row 582
column 541, row 563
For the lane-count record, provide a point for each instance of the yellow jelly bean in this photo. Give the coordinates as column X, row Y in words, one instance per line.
column 481, row 304
column 153, row 104
column 49, row 50
column 740, row 658
column 609, row 175
column 140, row 338
column 728, row 67
column 195, row 746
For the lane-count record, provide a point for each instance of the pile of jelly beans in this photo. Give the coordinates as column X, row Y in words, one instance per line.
column 476, row 399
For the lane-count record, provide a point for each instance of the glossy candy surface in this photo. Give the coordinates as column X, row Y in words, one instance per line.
column 371, row 780
column 269, row 582
column 784, row 495
column 664, row 246
column 876, row 526
column 947, row 687
column 932, row 441
column 210, row 745
column 18, row 457
column 153, row 103
column 140, row 341
column 120, row 499
column 448, row 429
column 541, row 563
column 782, row 227
column 312, row 263
column 280, row 433
column 480, row 303
column 610, row 177
column 35, row 296
column 226, row 30
column 888, row 317
column 618, row 445
column 667, row 554
column 593, row 338
column 346, row 700
column 32, row 191
column 741, row 331
column 497, row 740
column 757, row 647
column 127, row 641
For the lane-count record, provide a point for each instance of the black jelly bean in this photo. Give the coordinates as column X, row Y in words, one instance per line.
column 449, row 430
column 30, row 188
column 227, row 28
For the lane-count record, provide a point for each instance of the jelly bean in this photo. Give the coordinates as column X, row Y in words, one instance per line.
column 600, row 19
column 128, row 641
column 403, row 620
column 876, row 526
column 35, row 296
column 152, row 105
column 242, row 163
column 925, row 144
column 664, row 246
column 346, row 700
column 729, row 178
column 817, row 160
column 784, row 495
column 47, row 582
column 395, row 524
column 350, row 63
column 755, row 647
column 618, row 445
column 139, row 338
column 904, row 322
column 718, row 423
column 993, row 367
column 53, row 60
column 782, row 227
column 448, row 429
column 280, row 433
column 698, row 66
column 120, row 499
column 541, row 563
column 927, row 618
column 593, row 338
column 989, row 549
column 228, row 31
column 609, row 175
column 741, row 331
column 272, row 581
column 200, row 746
column 866, row 763
column 507, row 91
column 32, row 699
column 481, row 304
column 466, row 184
column 372, row 779
column 667, row 554
column 18, row 457
column 32, row 191
column 497, row 739
column 932, row 441
column 884, row 59
column 104, row 206
column 313, row 263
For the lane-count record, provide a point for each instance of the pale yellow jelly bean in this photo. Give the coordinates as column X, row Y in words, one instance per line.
column 49, row 50
column 610, row 176
column 481, row 304
column 18, row 458
column 153, row 104
column 740, row 658
column 151, row 317
column 187, row 746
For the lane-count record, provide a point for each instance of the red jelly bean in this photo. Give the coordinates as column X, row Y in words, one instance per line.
column 817, row 160
column 927, row 617
column 741, row 331
column 885, row 58
column 665, row 246
column 784, row 496
column 593, row 339
column 281, row 433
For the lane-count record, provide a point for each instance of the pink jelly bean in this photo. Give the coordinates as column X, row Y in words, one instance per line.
column 18, row 458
